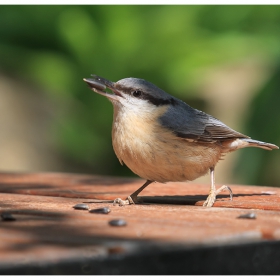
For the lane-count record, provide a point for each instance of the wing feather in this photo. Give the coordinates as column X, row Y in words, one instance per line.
column 189, row 123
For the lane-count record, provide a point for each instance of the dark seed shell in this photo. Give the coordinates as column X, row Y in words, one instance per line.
column 103, row 210
column 118, row 223
column 7, row 216
column 248, row 216
column 81, row 206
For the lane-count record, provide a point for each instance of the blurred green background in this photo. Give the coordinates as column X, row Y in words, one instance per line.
column 224, row 60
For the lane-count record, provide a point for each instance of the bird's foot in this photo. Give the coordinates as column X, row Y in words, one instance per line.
column 120, row 202
column 225, row 188
column 210, row 200
column 212, row 196
column 129, row 200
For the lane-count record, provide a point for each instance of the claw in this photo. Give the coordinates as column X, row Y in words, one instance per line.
column 120, row 202
column 210, row 200
column 132, row 199
column 212, row 196
column 223, row 188
column 213, row 192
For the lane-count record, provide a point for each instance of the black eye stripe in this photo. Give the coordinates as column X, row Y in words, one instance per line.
column 161, row 102
column 146, row 96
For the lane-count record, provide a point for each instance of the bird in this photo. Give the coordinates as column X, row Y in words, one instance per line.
column 163, row 139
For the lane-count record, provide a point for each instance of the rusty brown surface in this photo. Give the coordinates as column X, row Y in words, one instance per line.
column 100, row 187
column 48, row 228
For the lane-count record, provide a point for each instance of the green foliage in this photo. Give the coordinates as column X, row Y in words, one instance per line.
column 54, row 47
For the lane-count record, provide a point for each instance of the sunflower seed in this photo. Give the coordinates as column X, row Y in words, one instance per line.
column 6, row 216
column 81, row 206
column 247, row 216
column 118, row 223
column 104, row 210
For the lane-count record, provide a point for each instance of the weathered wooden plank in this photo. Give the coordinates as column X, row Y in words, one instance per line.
column 101, row 187
column 47, row 229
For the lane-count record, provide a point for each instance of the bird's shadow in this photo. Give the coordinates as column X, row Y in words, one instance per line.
column 188, row 199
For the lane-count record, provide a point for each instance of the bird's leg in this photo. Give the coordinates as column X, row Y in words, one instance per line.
column 132, row 199
column 213, row 192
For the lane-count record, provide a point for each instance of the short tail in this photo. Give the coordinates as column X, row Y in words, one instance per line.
column 259, row 144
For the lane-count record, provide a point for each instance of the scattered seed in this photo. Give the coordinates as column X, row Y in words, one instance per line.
column 118, row 223
column 103, row 210
column 81, row 206
column 7, row 217
column 248, row 216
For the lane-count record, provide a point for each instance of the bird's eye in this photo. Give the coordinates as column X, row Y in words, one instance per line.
column 137, row 93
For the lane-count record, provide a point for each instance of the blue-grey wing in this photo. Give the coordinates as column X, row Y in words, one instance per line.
column 189, row 123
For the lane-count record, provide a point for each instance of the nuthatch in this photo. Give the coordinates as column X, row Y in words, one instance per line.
column 162, row 139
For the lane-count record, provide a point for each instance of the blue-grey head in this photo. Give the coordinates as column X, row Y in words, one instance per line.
column 132, row 92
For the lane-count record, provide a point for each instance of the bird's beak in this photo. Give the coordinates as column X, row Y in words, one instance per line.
column 99, row 85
